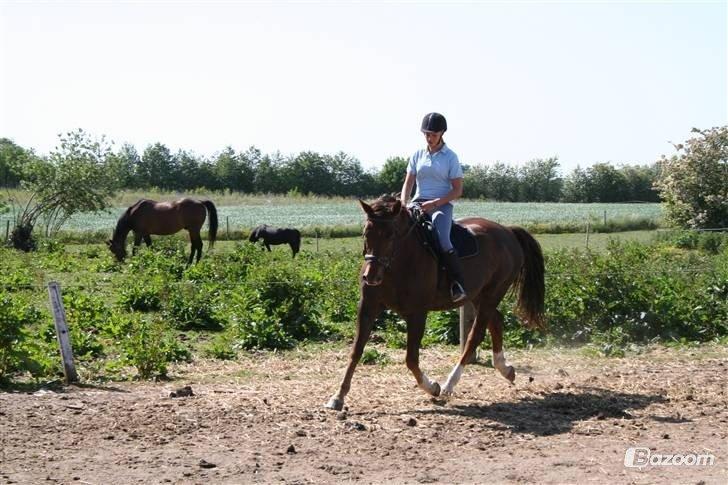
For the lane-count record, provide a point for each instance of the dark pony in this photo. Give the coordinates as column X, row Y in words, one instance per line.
column 147, row 217
column 273, row 235
column 398, row 273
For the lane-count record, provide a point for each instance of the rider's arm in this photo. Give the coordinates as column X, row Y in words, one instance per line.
column 455, row 193
column 409, row 182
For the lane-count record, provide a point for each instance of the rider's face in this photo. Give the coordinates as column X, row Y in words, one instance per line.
column 433, row 138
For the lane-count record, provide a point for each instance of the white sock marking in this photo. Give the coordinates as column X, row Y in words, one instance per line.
column 499, row 362
column 427, row 384
column 452, row 380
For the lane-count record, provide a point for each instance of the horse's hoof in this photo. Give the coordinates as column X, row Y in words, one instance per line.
column 435, row 389
column 511, row 376
column 335, row 403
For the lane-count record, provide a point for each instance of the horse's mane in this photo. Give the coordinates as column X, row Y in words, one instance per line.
column 383, row 206
column 122, row 225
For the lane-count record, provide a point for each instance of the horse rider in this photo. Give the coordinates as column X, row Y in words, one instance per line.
column 439, row 177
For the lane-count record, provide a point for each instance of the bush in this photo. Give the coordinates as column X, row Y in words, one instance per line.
column 192, row 306
column 141, row 294
column 16, row 315
column 148, row 345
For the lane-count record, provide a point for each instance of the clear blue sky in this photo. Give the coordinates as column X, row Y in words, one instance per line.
column 585, row 81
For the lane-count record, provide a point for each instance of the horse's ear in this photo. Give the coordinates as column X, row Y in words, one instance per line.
column 367, row 208
column 396, row 207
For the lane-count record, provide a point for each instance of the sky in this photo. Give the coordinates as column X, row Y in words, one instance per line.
column 584, row 81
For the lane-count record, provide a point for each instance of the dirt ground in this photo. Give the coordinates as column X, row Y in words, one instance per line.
column 569, row 418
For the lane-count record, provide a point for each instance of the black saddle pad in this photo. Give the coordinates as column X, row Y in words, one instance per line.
column 462, row 239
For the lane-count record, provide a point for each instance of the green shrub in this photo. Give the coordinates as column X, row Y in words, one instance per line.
column 86, row 316
column 373, row 356
column 16, row 315
column 142, row 294
column 149, row 345
column 443, row 327
column 192, row 306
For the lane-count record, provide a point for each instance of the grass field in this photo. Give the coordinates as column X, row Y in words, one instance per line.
column 242, row 213
column 597, row 242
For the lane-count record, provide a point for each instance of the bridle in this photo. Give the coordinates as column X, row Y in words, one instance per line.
column 386, row 261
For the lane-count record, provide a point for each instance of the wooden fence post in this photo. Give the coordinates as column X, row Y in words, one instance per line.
column 64, row 342
column 467, row 317
column 7, row 230
column 227, row 223
column 587, row 234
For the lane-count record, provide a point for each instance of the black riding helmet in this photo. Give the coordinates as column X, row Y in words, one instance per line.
column 434, row 122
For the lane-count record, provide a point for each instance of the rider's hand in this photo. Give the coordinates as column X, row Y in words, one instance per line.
column 429, row 206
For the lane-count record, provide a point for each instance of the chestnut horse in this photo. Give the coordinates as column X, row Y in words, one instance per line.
column 400, row 274
column 147, row 217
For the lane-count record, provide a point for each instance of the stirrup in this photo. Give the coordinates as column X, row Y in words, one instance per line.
column 457, row 293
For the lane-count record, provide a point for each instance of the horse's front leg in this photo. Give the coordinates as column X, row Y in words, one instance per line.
column 147, row 240
column 267, row 246
column 367, row 312
column 415, row 331
column 137, row 242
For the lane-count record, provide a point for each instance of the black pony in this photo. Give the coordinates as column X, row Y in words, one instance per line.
column 273, row 235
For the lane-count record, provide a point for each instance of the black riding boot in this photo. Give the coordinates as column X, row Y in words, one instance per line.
column 452, row 263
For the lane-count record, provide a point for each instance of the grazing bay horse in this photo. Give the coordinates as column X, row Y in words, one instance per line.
column 400, row 274
column 147, row 217
column 273, row 235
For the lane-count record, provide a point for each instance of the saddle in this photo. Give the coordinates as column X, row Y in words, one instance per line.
column 462, row 239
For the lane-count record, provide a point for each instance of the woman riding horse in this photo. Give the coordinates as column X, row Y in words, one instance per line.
column 400, row 274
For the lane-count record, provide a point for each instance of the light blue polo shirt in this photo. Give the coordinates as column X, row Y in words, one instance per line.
column 434, row 171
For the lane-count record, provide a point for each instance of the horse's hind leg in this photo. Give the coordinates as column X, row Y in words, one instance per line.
column 415, row 331
column 196, row 247
column 495, row 326
column 147, row 240
column 365, row 321
column 475, row 337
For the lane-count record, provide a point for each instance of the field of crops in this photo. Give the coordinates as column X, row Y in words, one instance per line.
column 341, row 212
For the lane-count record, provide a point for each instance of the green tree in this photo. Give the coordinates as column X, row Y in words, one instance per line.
column 347, row 173
column 234, row 171
column 540, row 180
column 693, row 183
column 157, row 167
column 391, row 177
column 309, row 173
column 189, row 172
column 13, row 158
column 269, row 175
column 577, row 186
column 606, row 184
column 640, row 181
column 123, row 166
column 74, row 178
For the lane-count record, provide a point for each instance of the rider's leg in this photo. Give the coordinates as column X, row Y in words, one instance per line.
column 442, row 222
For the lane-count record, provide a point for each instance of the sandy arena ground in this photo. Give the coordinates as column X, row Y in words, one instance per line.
column 568, row 419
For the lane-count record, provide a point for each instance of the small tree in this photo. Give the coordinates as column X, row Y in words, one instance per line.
column 391, row 177
column 74, row 178
column 694, row 182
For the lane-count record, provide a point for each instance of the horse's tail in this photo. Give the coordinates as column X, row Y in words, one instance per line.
column 212, row 211
column 530, row 282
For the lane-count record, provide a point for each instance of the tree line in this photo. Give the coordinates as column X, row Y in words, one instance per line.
column 251, row 171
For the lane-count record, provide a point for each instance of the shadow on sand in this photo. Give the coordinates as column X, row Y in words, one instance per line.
column 552, row 413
